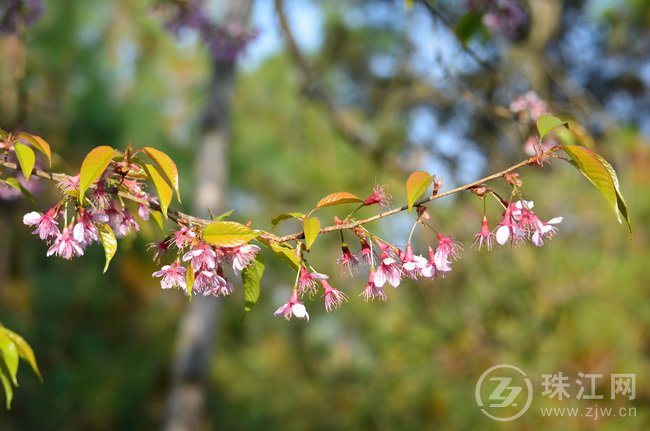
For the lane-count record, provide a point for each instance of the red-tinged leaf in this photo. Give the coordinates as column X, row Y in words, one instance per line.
column 26, row 158
column 189, row 280
column 337, row 199
column 107, row 237
column 167, row 165
column 546, row 123
column 416, row 184
column 251, row 277
column 24, row 350
column 311, row 230
column 228, row 234
column 603, row 176
column 286, row 216
column 163, row 188
column 38, row 143
column 93, row 167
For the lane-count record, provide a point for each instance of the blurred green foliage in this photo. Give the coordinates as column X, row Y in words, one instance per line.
column 106, row 73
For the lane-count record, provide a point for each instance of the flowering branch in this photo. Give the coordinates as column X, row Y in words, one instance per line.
column 108, row 179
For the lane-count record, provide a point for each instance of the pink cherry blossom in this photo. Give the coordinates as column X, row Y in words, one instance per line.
column 172, row 276
column 529, row 104
column 160, row 248
column 127, row 224
column 183, row 237
column 532, row 224
column 347, row 259
column 202, row 256
column 66, row 246
column 84, row 230
column 307, row 280
column 388, row 270
column 371, row 291
column 485, row 235
column 69, row 184
column 243, row 256
column 219, row 285
column 293, row 308
column 446, row 251
column 333, row 297
column 46, row 225
column 365, row 252
column 379, row 196
column 429, row 270
column 509, row 228
column 412, row 265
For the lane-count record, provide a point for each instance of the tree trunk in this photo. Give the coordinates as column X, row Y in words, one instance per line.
column 196, row 336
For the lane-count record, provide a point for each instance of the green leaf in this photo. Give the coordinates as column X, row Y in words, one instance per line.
column 109, row 242
column 158, row 218
column 546, row 123
column 468, row 25
column 26, row 157
column 223, row 216
column 285, row 216
column 311, row 230
column 228, row 234
column 162, row 185
column 285, row 252
column 13, row 182
column 189, row 280
column 337, row 199
column 38, row 143
column 24, row 349
column 9, row 356
column 6, row 383
column 167, row 165
column 416, row 184
column 251, row 278
column 93, row 167
column 603, row 176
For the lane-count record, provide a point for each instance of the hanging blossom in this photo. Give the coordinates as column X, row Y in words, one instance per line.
column 429, row 270
column 307, row 280
column 46, row 225
column 242, row 256
column 446, row 251
column 348, row 260
column 333, row 297
column 371, row 291
column 412, row 265
column 379, row 196
column 387, row 271
column 293, row 308
column 66, row 246
column 172, row 276
column 532, row 224
column 485, row 235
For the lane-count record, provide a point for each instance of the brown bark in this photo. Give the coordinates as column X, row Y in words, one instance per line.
column 197, row 332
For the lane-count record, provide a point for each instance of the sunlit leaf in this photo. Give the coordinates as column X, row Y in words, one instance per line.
column 603, row 176
column 158, row 218
column 6, row 384
column 285, row 216
column 416, row 184
column 337, row 199
column 228, row 234
column 24, row 350
column 93, row 167
column 162, row 185
column 26, row 158
column 223, row 216
column 167, row 165
column 311, row 230
column 109, row 242
column 546, row 123
column 285, row 252
column 189, row 280
column 38, row 143
column 9, row 356
column 251, row 278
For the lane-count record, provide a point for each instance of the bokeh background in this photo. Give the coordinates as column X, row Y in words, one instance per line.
column 410, row 97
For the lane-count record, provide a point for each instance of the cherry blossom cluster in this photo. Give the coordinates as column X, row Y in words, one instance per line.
column 225, row 41
column 206, row 263
column 506, row 17
column 15, row 14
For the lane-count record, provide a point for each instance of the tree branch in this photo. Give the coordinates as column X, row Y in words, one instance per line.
column 179, row 216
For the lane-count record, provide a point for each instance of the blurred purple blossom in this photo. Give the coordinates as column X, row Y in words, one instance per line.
column 15, row 14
